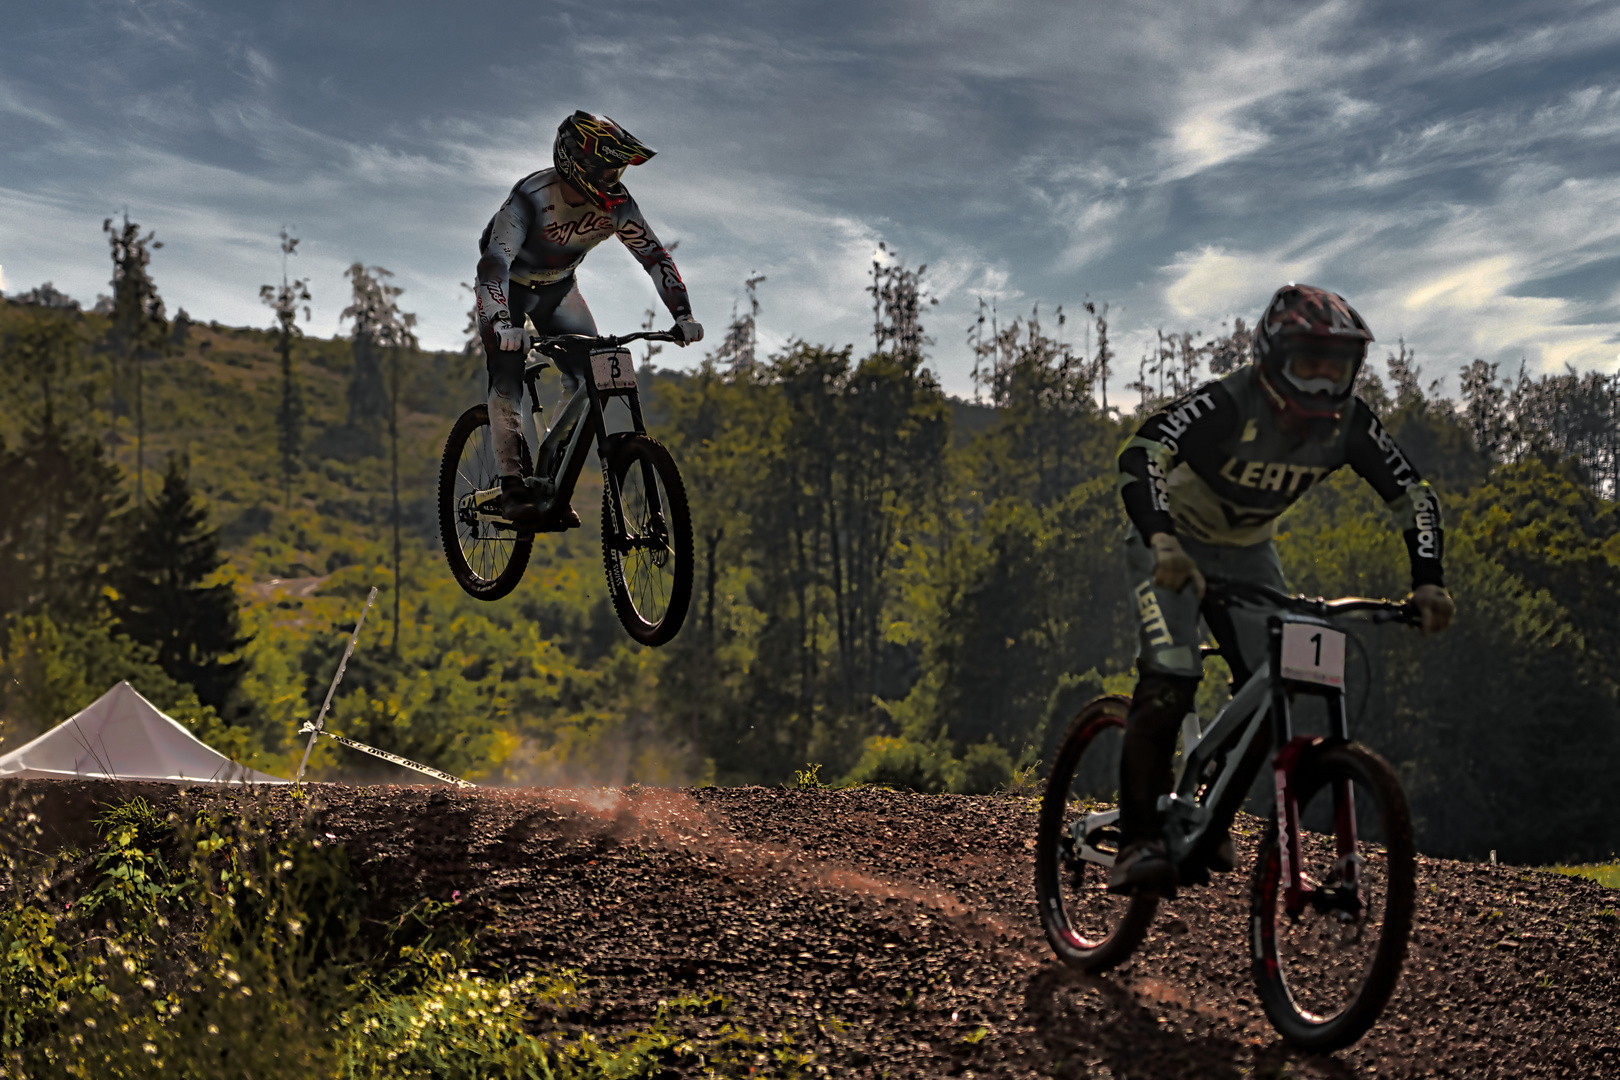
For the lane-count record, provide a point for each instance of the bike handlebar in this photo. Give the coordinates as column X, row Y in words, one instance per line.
column 608, row 341
column 1376, row 611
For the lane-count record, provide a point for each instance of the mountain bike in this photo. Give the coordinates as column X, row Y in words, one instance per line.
column 1331, row 893
column 646, row 527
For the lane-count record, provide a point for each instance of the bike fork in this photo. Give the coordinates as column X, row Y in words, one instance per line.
column 1294, row 888
column 1288, row 751
column 1344, row 805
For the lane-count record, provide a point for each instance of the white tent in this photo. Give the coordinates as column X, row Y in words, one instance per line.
column 122, row 736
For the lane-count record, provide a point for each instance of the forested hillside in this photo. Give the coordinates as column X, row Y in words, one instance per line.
column 892, row 584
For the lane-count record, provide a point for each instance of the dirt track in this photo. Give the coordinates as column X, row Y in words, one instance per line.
column 889, row 926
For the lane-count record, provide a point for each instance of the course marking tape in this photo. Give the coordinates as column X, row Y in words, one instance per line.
column 397, row 760
column 314, row 729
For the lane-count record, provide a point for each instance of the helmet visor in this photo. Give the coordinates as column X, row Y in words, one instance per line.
column 1327, row 368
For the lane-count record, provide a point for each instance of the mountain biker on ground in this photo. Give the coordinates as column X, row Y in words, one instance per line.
column 529, row 251
column 1203, row 482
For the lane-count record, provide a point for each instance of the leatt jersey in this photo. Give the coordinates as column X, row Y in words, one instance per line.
column 1216, row 466
column 537, row 238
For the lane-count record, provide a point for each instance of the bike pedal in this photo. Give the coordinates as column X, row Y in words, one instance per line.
column 561, row 522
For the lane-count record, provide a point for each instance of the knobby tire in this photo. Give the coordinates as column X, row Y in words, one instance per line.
column 1298, row 978
column 1087, row 927
column 501, row 554
column 651, row 582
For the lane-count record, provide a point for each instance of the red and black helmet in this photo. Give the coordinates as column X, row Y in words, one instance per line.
column 1303, row 330
column 592, row 152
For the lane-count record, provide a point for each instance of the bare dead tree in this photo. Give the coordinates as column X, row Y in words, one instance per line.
column 139, row 329
column 379, row 325
column 897, row 302
column 284, row 301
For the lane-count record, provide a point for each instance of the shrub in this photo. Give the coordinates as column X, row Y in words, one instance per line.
column 985, row 768
column 896, row 762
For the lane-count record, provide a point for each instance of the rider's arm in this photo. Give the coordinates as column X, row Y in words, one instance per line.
column 637, row 235
column 1375, row 457
column 1188, row 429
column 502, row 241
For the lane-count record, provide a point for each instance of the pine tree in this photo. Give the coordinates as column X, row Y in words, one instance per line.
column 163, row 597
column 59, row 495
column 290, row 414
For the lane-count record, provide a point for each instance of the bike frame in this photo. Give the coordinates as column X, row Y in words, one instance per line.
column 1222, row 765
column 583, row 418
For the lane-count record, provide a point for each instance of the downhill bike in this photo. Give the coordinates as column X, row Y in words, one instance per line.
column 1331, row 894
column 646, row 527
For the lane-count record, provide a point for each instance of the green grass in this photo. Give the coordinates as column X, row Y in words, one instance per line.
column 1605, row 874
column 255, row 955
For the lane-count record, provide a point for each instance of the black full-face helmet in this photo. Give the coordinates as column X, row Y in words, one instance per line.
column 592, row 152
column 1309, row 346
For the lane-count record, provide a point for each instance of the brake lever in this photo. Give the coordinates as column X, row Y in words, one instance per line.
column 1407, row 613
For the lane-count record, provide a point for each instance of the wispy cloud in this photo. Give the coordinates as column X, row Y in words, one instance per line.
column 1447, row 166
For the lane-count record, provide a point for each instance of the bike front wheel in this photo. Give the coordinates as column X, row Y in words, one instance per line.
column 1326, row 971
column 1076, row 841
column 487, row 558
column 646, row 539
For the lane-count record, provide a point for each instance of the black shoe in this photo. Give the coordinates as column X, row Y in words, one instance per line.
column 1143, row 867
column 558, row 521
column 1223, row 856
column 520, row 503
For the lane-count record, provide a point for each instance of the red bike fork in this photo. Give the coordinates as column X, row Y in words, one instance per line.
column 1344, row 831
column 1295, row 889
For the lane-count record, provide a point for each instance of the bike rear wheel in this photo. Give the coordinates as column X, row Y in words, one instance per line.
column 646, row 540
column 1325, row 974
column 487, row 560
column 1076, row 839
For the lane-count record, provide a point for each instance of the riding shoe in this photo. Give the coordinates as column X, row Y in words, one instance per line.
column 520, row 503
column 1143, row 867
column 566, row 518
column 1223, row 856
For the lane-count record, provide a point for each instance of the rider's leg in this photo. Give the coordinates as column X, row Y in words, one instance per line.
column 571, row 315
column 1241, row 633
column 506, row 383
column 518, row 503
column 1170, row 670
column 560, row 309
column 1257, row 563
column 556, row 308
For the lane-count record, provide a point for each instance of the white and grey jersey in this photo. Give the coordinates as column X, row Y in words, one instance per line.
column 537, row 238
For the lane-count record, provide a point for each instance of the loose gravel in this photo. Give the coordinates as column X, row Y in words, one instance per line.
column 895, row 934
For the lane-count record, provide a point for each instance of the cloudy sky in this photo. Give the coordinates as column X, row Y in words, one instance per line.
column 1450, row 166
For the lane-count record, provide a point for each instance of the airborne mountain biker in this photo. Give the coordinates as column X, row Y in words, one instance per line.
column 528, row 254
column 1203, row 482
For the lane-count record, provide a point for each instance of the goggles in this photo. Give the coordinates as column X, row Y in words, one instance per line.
column 1324, row 368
